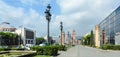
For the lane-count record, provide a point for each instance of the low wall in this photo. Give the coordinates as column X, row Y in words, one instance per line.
column 30, row 53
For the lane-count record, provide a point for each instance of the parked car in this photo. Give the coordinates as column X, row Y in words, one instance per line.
column 27, row 46
column 1, row 47
column 43, row 44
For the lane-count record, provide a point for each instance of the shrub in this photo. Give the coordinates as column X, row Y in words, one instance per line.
column 34, row 48
column 6, row 49
column 104, row 47
column 62, row 48
column 40, row 50
column 116, row 47
column 111, row 47
column 46, row 50
column 1, row 49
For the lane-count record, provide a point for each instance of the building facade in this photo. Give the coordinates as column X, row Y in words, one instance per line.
column 117, row 38
column 109, row 27
column 68, row 38
column 6, row 27
column 79, row 41
column 27, row 36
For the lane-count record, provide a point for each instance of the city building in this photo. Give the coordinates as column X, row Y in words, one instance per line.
column 79, row 41
column 6, row 27
column 27, row 36
column 109, row 27
column 68, row 39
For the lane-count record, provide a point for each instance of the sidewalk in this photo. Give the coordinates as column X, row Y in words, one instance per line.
column 72, row 52
column 85, row 51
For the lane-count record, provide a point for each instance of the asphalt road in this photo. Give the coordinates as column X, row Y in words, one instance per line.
column 84, row 51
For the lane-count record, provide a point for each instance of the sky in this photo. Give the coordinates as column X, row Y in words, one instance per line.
column 78, row 15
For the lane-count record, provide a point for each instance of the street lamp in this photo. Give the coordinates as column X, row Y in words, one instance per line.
column 61, row 26
column 48, row 18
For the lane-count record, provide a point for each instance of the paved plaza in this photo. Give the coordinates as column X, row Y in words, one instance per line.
column 84, row 51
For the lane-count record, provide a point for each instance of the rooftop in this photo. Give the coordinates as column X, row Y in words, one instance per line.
column 6, row 25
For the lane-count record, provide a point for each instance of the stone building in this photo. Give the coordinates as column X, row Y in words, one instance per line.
column 6, row 27
column 27, row 36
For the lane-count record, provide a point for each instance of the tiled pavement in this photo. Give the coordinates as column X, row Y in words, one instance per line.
column 84, row 51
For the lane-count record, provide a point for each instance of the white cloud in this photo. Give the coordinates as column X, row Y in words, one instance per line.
column 83, row 15
column 9, row 12
column 17, row 16
column 35, row 2
column 70, row 5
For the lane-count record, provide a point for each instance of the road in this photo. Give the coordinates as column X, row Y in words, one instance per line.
column 84, row 51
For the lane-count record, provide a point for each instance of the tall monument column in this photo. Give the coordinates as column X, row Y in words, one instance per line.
column 74, row 37
column 63, row 38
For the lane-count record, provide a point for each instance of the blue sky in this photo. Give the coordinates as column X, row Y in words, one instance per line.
column 78, row 15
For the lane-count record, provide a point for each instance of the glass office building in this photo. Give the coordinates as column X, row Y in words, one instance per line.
column 109, row 27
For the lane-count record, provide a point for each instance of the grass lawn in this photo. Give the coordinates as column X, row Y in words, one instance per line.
column 42, row 56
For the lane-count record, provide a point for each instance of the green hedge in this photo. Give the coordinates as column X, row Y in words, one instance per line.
column 45, row 50
column 61, row 47
column 111, row 47
column 48, row 50
column 6, row 49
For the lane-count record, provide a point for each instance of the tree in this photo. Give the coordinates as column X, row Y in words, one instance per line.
column 14, row 36
column 92, row 39
column 8, row 38
column 86, row 39
column 40, row 40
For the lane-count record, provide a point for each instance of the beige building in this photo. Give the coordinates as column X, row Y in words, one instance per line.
column 6, row 27
column 27, row 35
column 97, row 36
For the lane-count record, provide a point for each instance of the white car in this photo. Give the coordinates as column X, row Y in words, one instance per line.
column 42, row 44
column 27, row 46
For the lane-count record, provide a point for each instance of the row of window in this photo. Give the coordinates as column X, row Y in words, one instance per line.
column 7, row 30
column 29, row 41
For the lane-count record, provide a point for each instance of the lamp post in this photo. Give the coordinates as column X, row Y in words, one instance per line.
column 48, row 18
column 61, row 26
